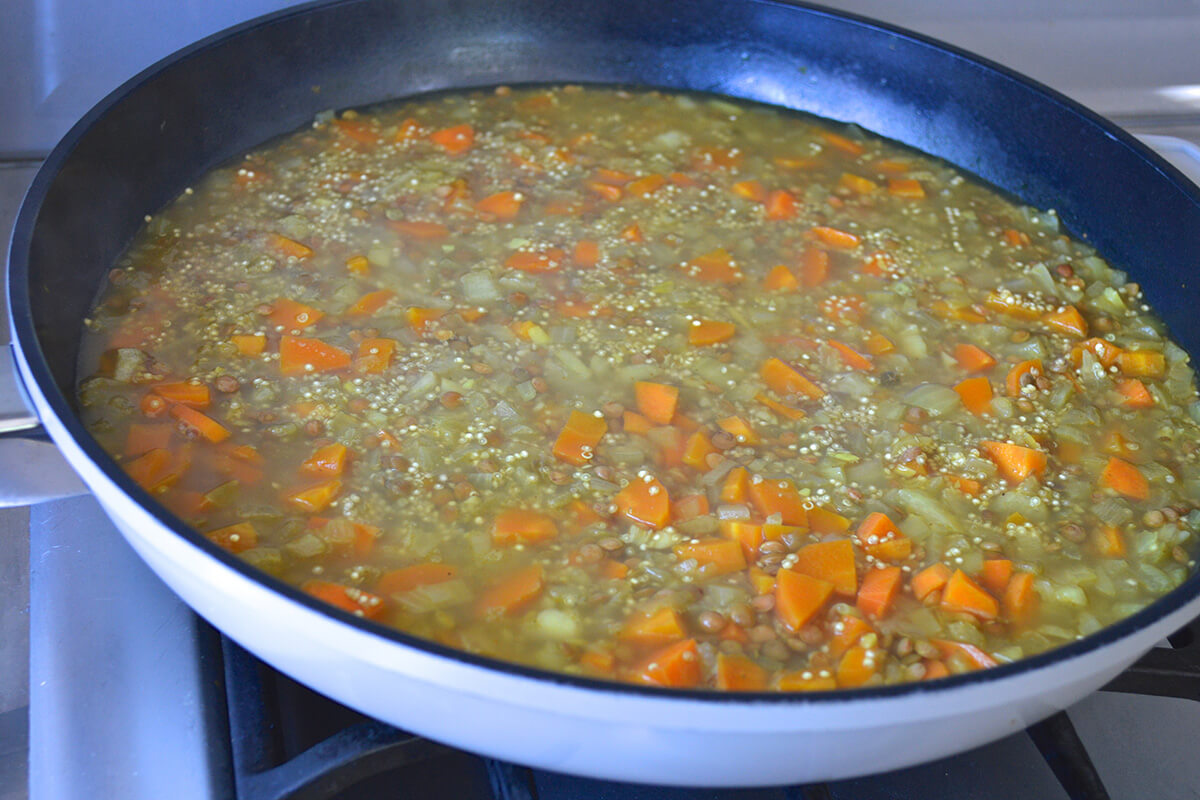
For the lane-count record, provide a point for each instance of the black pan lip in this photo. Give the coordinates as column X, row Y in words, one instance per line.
column 27, row 343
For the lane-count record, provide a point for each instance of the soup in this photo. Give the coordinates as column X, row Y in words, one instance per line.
column 651, row 387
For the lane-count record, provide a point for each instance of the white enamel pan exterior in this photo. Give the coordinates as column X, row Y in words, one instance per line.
column 556, row 722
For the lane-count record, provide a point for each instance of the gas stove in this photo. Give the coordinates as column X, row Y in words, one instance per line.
column 131, row 695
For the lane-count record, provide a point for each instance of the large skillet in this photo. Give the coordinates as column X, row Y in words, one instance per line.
column 139, row 147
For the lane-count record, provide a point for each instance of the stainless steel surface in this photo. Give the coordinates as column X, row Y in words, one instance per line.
column 16, row 410
column 120, row 707
column 34, row 471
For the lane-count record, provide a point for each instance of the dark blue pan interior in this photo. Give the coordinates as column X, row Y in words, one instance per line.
column 141, row 146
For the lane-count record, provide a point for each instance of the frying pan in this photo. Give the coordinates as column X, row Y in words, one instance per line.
column 163, row 129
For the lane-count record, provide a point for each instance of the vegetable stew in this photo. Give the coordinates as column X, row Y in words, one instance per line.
column 654, row 387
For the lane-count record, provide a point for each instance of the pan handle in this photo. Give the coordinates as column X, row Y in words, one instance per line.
column 32, row 469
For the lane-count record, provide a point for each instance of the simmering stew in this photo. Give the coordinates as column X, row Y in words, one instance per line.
column 653, row 387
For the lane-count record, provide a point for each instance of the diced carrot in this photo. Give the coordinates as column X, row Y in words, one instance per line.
column 1105, row 352
column 1124, row 478
column 762, row 581
column 935, row 669
column 1067, row 320
column 846, row 632
column 1142, row 363
column 370, row 303
column 1021, row 375
column 645, row 502
column 737, row 673
column 511, row 593
column 656, row 401
column 780, row 279
column 633, row 233
column 829, row 561
column 717, row 266
column 299, row 355
column 968, row 655
column 711, row 158
column 814, row 267
column 406, row 579
column 798, row 597
column 634, row 422
column 881, row 539
column 157, row 469
column 736, row 488
column 780, row 204
column 751, row 190
column 347, row 598
column 196, row 395
column 703, row 332
column 676, row 665
column 823, row 521
column 290, row 247
column 930, row 580
column 201, row 424
column 976, row 395
column 744, row 532
column 785, row 411
column 598, row 662
column 906, row 187
column 1015, row 462
column 857, row 666
column 501, row 205
column 878, row 345
column 995, row 575
column 843, row 240
column 739, row 429
column 314, row 498
column 236, row 538
column 454, row 140
column 857, row 183
column 690, row 507
column 576, row 443
column 365, row 538
column 646, row 185
column 1135, row 393
column 540, row 261
column 522, row 526
column 249, row 344
column 968, row 486
column 778, row 496
column 612, row 570
column 374, row 355
column 847, row 146
column 143, row 438
column 607, row 191
column 1020, row 600
column 972, row 358
column 329, row 460
column 844, row 308
column 655, row 629
column 358, row 265
column 1109, row 542
column 878, row 591
column 1015, row 238
column 965, row 596
column 851, row 357
column 291, row 315
column 718, row 556
column 696, row 451
column 587, row 253
column 420, row 230
column 786, row 380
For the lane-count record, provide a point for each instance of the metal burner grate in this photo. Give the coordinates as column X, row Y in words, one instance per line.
column 289, row 743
